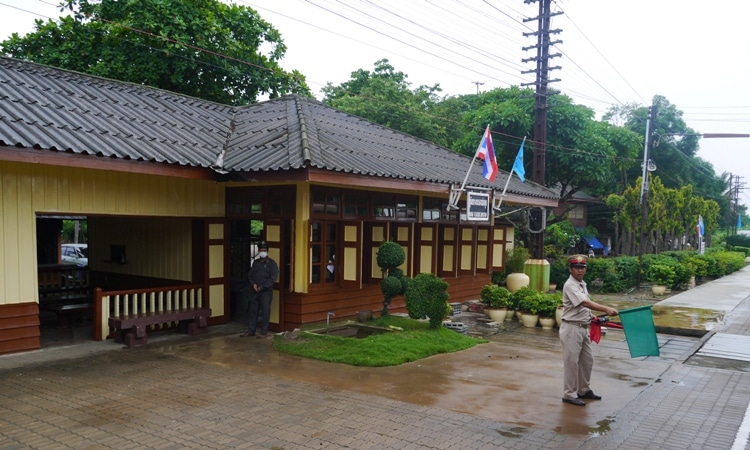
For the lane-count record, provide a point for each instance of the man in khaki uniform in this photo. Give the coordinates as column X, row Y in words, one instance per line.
column 578, row 360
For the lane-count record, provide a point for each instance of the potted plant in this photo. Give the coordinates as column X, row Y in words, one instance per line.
column 547, row 309
column 498, row 277
column 528, row 302
column 496, row 300
column 662, row 276
column 515, row 260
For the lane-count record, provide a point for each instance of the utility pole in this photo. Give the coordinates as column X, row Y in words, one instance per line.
column 536, row 217
column 478, row 83
column 644, row 186
column 734, row 202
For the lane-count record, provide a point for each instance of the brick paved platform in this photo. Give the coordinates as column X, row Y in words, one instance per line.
column 220, row 391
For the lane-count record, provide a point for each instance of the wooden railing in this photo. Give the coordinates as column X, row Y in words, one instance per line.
column 142, row 301
column 63, row 284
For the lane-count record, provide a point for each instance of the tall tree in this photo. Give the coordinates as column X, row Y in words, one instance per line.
column 672, row 216
column 202, row 48
column 674, row 150
column 384, row 96
column 582, row 153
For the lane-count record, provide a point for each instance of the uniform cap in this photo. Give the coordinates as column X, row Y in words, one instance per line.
column 578, row 261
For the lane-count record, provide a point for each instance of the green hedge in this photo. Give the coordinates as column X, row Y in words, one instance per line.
column 621, row 273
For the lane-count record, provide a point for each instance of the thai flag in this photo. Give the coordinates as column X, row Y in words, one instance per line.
column 699, row 227
column 486, row 152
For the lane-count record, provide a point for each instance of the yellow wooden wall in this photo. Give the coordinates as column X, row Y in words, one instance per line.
column 30, row 189
column 158, row 247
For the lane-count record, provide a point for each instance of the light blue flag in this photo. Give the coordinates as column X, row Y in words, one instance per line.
column 518, row 163
column 739, row 222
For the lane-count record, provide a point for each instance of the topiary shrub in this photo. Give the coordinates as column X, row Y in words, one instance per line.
column 427, row 296
column 390, row 256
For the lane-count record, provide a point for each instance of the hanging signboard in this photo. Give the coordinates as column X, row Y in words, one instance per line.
column 477, row 206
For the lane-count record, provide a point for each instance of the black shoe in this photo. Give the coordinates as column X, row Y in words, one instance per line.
column 590, row 395
column 574, row 401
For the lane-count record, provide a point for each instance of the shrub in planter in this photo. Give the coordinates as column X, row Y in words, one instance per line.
column 699, row 264
column 495, row 297
column 427, row 296
column 518, row 298
column 661, row 274
column 515, row 259
column 548, row 305
column 534, row 303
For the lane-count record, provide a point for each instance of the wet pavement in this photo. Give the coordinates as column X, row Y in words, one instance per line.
column 222, row 391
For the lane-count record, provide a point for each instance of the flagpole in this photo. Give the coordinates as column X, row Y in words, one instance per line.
column 507, row 182
column 454, row 200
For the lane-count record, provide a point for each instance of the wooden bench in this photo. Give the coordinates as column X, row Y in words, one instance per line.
column 67, row 312
column 131, row 329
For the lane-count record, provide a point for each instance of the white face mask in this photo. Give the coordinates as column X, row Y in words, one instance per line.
column 263, row 254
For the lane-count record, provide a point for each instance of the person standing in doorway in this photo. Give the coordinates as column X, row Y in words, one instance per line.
column 262, row 276
column 578, row 360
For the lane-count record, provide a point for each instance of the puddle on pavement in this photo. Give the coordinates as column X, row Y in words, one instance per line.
column 633, row 382
column 669, row 317
column 514, row 433
column 602, row 427
column 687, row 318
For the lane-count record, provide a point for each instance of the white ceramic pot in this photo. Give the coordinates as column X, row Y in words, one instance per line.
column 547, row 322
column 516, row 281
column 558, row 316
column 529, row 320
column 497, row 314
column 509, row 315
column 658, row 289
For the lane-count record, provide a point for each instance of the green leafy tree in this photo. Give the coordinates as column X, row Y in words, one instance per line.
column 582, row 153
column 203, row 48
column 674, row 151
column 384, row 96
column 672, row 214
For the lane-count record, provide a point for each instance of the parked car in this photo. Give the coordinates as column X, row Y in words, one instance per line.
column 75, row 254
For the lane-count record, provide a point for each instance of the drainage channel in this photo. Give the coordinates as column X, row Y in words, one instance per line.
column 724, row 351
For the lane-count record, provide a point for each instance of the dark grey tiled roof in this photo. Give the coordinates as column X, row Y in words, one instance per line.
column 46, row 108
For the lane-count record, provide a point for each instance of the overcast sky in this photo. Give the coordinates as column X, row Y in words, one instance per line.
column 692, row 52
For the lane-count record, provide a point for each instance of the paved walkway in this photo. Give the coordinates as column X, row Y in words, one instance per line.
column 220, row 391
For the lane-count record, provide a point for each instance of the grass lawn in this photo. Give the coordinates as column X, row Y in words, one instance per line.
column 414, row 341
